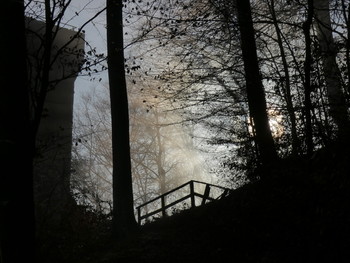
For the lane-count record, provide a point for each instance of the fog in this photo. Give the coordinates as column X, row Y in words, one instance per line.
column 163, row 150
column 166, row 149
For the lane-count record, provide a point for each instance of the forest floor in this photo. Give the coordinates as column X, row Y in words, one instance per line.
column 299, row 213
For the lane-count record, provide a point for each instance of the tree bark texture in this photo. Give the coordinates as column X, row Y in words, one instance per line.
column 123, row 211
column 254, row 87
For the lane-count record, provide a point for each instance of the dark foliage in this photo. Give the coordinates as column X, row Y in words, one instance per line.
column 83, row 233
column 299, row 214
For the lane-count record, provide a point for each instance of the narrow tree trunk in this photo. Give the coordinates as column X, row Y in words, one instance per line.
column 307, row 83
column 160, row 155
column 348, row 50
column 123, row 211
column 254, row 87
column 336, row 98
column 44, row 72
column 287, row 88
column 17, row 225
column 346, row 17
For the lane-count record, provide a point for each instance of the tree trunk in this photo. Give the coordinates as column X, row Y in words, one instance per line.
column 336, row 98
column 160, row 155
column 346, row 16
column 44, row 75
column 307, row 84
column 16, row 147
column 254, row 87
column 287, row 88
column 123, row 211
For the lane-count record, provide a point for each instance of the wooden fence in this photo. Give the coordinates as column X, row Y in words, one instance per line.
column 192, row 196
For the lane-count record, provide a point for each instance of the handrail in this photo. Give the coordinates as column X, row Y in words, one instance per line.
column 214, row 185
column 191, row 195
column 156, row 198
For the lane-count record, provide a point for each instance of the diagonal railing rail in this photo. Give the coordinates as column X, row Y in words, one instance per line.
column 164, row 205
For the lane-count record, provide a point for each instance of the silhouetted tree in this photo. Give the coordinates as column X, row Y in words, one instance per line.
column 123, row 211
column 53, row 56
column 287, row 79
column 49, row 53
column 254, row 86
column 307, row 82
column 16, row 149
column 336, row 99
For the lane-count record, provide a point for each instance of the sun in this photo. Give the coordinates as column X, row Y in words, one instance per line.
column 275, row 122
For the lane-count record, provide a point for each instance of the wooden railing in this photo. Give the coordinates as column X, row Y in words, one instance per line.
column 223, row 192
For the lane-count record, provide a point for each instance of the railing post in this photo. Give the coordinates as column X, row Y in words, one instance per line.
column 193, row 201
column 139, row 215
column 224, row 194
column 206, row 194
column 163, row 206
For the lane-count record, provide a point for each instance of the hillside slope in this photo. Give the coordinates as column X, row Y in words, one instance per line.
column 300, row 214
